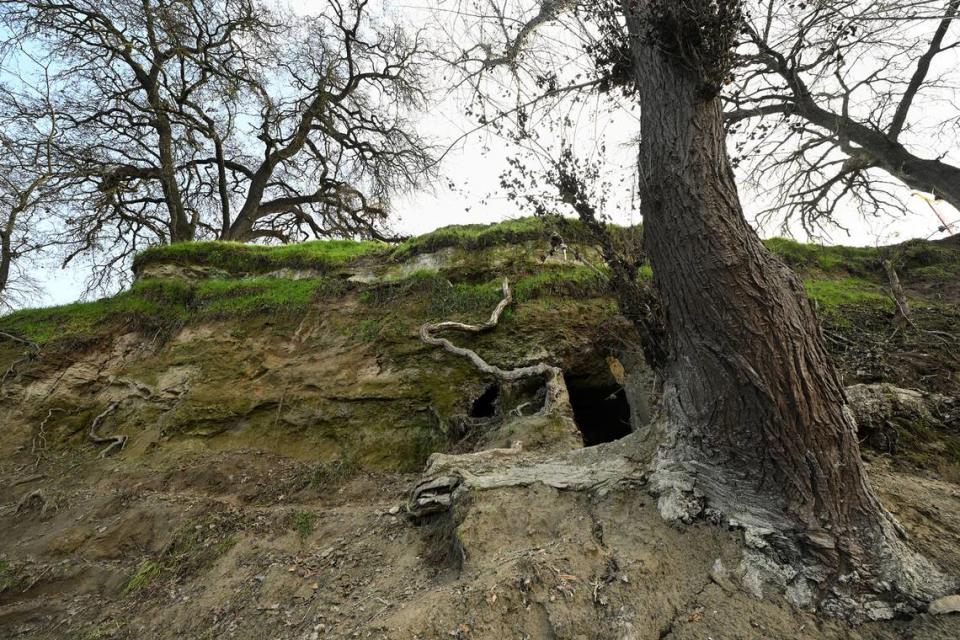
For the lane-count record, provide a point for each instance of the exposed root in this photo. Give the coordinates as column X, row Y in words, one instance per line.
column 858, row 575
column 28, row 479
column 32, row 501
column 597, row 468
column 113, row 441
column 32, row 350
column 557, row 400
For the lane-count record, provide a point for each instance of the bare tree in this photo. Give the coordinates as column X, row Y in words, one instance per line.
column 838, row 103
column 754, row 426
column 231, row 119
column 28, row 193
column 334, row 136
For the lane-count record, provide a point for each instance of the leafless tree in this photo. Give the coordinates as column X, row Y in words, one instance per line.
column 28, row 194
column 838, row 102
column 231, row 119
column 753, row 423
column 334, row 138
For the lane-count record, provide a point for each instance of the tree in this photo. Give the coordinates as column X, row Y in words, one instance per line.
column 833, row 99
column 27, row 194
column 335, row 141
column 186, row 119
column 753, row 425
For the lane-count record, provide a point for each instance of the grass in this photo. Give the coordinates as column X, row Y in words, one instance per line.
column 160, row 304
column 828, row 260
column 836, row 275
column 479, row 236
column 234, row 298
column 566, row 282
column 235, row 257
column 844, row 291
column 303, row 522
column 443, row 300
column 472, row 236
column 332, row 474
column 146, row 572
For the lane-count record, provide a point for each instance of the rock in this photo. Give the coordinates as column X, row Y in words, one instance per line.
column 946, row 604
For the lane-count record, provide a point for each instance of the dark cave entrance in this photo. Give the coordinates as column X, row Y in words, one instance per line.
column 600, row 409
column 486, row 405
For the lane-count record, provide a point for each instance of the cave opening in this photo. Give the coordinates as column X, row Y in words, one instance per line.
column 600, row 409
column 485, row 406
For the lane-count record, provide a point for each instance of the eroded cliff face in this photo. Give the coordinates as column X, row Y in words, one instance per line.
column 276, row 416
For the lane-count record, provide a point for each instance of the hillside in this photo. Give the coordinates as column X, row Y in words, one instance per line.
column 227, row 449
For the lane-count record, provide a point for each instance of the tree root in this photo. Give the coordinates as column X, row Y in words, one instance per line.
column 32, row 350
column 598, row 468
column 31, row 498
column 557, row 397
column 114, row 441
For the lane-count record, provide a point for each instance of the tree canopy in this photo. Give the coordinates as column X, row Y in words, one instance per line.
column 229, row 119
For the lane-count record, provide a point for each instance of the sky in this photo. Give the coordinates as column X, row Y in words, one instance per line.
column 474, row 166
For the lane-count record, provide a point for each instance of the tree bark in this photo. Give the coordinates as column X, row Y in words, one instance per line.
column 754, row 421
column 6, row 256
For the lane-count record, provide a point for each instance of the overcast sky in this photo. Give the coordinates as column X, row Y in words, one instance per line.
column 474, row 167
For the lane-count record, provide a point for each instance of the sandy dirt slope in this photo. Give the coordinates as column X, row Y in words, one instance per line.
column 243, row 544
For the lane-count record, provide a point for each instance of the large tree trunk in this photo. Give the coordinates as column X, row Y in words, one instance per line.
column 754, row 419
column 181, row 228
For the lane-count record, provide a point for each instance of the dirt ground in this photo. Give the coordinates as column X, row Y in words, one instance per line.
column 192, row 543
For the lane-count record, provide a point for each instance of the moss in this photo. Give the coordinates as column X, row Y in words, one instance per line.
column 207, row 411
column 8, row 579
column 928, row 447
column 845, row 291
column 365, row 330
column 146, row 572
column 236, row 257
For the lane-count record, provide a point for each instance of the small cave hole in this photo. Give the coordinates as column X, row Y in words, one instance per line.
column 486, row 405
column 600, row 409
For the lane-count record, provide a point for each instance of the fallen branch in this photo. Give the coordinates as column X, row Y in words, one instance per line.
column 114, row 441
column 557, row 400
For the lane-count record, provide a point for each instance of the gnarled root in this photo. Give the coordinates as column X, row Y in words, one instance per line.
column 862, row 572
column 598, row 468
column 557, row 400
column 113, row 441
